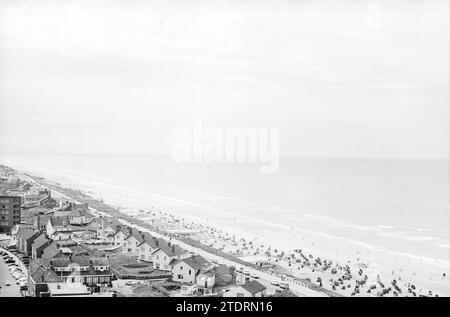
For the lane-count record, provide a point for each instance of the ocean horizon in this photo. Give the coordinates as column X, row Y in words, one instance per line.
column 399, row 206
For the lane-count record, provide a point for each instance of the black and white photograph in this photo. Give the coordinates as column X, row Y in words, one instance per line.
column 224, row 151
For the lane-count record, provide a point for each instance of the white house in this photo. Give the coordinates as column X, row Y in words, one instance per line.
column 58, row 224
column 119, row 237
column 249, row 289
column 166, row 254
column 61, row 235
column 80, row 217
column 205, row 282
column 148, row 246
column 143, row 245
column 106, row 230
column 187, row 270
column 132, row 242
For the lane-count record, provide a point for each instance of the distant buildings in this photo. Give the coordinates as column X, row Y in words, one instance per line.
column 39, row 197
column 66, row 247
column 10, row 210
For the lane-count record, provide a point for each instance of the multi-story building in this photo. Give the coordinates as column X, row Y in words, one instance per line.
column 9, row 212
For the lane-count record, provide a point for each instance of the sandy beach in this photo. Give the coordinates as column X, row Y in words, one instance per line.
column 426, row 273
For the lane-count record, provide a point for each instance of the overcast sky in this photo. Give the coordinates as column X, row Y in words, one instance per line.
column 355, row 79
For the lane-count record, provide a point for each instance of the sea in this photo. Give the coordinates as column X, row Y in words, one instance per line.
column 398, row 205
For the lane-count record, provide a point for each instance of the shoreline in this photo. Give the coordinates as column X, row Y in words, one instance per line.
column 216, row 255
column 203, row 211
column 260, row 230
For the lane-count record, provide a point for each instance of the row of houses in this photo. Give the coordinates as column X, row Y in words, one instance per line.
column 54, row 263
column 52, row 239
column 58, row 263
column 59, row 228
column 197, row 275
column 89, row 275
column 38, row 244
column 148, row 248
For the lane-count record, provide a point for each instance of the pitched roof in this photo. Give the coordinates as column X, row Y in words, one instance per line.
column 61, row 213
column 27, row 234
column 41, row 275
column 124, row 230
column 77, row 260
column 50, row 251
column 253, row 287
column 284, row 293
column 223, row 273
column 37, row 210
column 43, row 219
column 109, row 221
column 80, row 213
column 152, row 241
column 138, row 235
column 170, row 250
column 47, row 198
column 66, row 207
column 196, row 262
column 62, row 221
column 76, row 213
column 36, row 269
column 78, row 250
column 100, row 261
column 82, row 207
column 40, row 242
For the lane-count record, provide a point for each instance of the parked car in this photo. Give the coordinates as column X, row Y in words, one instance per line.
column 17, row 275
column 253, row 275
column 7, row 283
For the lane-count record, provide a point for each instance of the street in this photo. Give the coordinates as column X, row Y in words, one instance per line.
column 7, row 291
